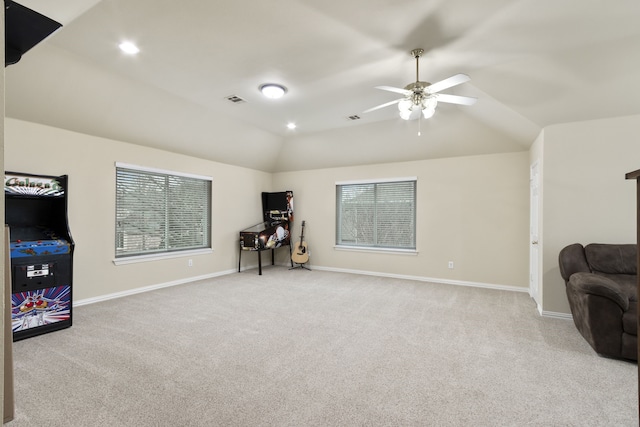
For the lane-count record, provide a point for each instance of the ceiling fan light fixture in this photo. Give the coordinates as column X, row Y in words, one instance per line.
column 429, row 107
column 410, row 110
column 427, row 114
column 272, row 90
column 405, row 105
column 406, row 114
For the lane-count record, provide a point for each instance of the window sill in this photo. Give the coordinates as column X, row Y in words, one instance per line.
column 376, row 250
column 165, row 255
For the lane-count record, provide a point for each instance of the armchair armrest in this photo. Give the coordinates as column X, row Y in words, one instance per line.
column 594, row 284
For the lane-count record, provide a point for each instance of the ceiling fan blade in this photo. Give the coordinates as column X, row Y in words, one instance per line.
column 447, row 83
column 394, row 89
column 386, row 104
column 456, row 99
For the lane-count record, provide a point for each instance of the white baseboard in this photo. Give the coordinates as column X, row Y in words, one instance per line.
column 542, row 313
column 556, row 315
column 115, row 295
column 149, row 288
column 426, row 279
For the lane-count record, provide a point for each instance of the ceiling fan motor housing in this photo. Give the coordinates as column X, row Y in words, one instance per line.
column 418, row 94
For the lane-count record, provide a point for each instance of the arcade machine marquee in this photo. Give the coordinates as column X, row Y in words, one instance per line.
column 41, row 252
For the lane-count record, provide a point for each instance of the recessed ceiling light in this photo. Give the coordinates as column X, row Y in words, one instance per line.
column 291, row 125
column 129, row 48
column 272, row 90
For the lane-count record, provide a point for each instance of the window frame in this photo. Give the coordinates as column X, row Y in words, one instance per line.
column 165, row 253
column 375, row 246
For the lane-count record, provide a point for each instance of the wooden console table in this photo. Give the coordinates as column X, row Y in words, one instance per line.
column 636, row 175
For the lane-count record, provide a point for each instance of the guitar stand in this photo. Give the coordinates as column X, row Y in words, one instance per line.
column 300, row 266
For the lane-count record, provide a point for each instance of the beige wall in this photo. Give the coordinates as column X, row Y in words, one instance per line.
column 90, row 164
column 471, row 210
column 586, row 198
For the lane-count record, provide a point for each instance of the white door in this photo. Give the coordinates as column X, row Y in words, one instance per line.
column 534, row 279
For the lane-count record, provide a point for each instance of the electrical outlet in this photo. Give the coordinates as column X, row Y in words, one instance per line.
column 190, row 263
column 451, row 264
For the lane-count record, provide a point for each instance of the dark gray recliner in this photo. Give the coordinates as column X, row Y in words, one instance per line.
column 602, row 288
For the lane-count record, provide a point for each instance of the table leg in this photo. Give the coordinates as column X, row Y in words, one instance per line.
column 290, row 257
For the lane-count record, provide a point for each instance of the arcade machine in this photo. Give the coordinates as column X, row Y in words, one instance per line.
column 41, row 253
column 274, row 231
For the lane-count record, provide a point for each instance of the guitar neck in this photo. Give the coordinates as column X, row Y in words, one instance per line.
column 302, row 233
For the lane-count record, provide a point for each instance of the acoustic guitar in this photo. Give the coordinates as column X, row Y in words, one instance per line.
column 300, row 255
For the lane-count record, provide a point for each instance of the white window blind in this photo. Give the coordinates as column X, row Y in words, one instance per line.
column 378, row 214
column 160, row 212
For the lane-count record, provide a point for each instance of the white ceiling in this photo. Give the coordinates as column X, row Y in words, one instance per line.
column 532, row 64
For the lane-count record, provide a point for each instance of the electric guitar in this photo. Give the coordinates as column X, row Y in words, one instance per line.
column 300, row 255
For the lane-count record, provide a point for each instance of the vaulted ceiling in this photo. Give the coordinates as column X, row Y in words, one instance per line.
column 532, row 64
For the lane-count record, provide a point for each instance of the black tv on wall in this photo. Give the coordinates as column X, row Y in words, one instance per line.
column 23, row 29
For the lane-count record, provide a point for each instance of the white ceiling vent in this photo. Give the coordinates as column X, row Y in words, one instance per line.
column 235, row 99
column 354, row 117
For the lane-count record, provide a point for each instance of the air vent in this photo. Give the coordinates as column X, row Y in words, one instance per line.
column 354, row 117
column 235, row 99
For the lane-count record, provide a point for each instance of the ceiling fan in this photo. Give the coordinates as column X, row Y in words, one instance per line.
column 421, row 98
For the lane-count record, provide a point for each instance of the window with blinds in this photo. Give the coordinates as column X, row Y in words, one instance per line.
column 158, row 212
column 377, row 214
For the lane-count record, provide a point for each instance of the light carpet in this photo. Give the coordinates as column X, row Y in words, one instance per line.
column 317, row 348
